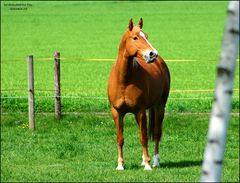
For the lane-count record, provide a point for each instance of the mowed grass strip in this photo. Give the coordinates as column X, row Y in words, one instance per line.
column 83, row 148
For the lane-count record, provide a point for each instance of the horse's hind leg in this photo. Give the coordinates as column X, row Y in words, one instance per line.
column 118, row 119
column 159, row 115
column 142, row 121
column 143, row 157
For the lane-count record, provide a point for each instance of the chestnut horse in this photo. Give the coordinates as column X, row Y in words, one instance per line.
column 139, row 80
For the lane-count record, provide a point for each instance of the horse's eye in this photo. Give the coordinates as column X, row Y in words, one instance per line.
column 135, row 38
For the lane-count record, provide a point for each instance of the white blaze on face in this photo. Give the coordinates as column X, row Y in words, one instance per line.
column 149, row 55
column 144, row 37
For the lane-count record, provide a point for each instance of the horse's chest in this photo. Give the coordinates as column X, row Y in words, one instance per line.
column 133, row 95
column 130, row 98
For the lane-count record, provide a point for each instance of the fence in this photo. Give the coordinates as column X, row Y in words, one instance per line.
column 57, row 92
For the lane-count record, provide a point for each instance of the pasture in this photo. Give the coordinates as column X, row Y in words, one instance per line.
column 81, row 146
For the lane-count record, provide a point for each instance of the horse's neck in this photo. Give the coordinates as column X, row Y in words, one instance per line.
column 123, row 66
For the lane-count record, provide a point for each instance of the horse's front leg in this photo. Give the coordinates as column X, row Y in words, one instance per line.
column 142, row 121
column 118, row 119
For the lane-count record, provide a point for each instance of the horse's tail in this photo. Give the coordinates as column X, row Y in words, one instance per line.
column 151, row 122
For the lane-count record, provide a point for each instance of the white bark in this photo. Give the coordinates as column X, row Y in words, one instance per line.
column 214, row 152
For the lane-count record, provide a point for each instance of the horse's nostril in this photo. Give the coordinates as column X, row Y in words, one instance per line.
column 151, row 54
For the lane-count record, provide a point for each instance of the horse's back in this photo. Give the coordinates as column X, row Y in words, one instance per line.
column 167, row 80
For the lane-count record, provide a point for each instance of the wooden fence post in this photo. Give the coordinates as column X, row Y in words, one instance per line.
column 57, row 85
column 31, row 102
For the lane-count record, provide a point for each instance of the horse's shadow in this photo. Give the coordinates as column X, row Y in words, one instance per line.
column 180, row 164
column 170, row 164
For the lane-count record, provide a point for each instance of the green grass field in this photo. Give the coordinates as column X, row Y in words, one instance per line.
column 81, row 147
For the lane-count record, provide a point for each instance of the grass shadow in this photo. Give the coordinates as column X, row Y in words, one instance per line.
column 133, row 167
column 180, row 164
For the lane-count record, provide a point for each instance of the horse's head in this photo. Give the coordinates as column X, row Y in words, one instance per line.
column 137, row 44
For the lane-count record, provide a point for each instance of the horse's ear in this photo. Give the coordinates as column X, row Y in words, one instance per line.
column 140, row 23
column 130, row 25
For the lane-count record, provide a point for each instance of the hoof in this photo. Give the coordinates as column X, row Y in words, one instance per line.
column 156, row 160
column 156, row 165
column 147, row 167
column 119, row 167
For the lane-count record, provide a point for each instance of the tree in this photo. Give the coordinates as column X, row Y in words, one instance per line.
column 217, row 133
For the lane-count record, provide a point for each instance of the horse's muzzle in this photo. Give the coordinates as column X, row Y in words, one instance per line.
column 151, row 57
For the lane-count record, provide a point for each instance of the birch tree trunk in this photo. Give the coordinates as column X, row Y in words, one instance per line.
column 214, row 152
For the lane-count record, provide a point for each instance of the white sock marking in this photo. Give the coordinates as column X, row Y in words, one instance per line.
column 156, row 160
